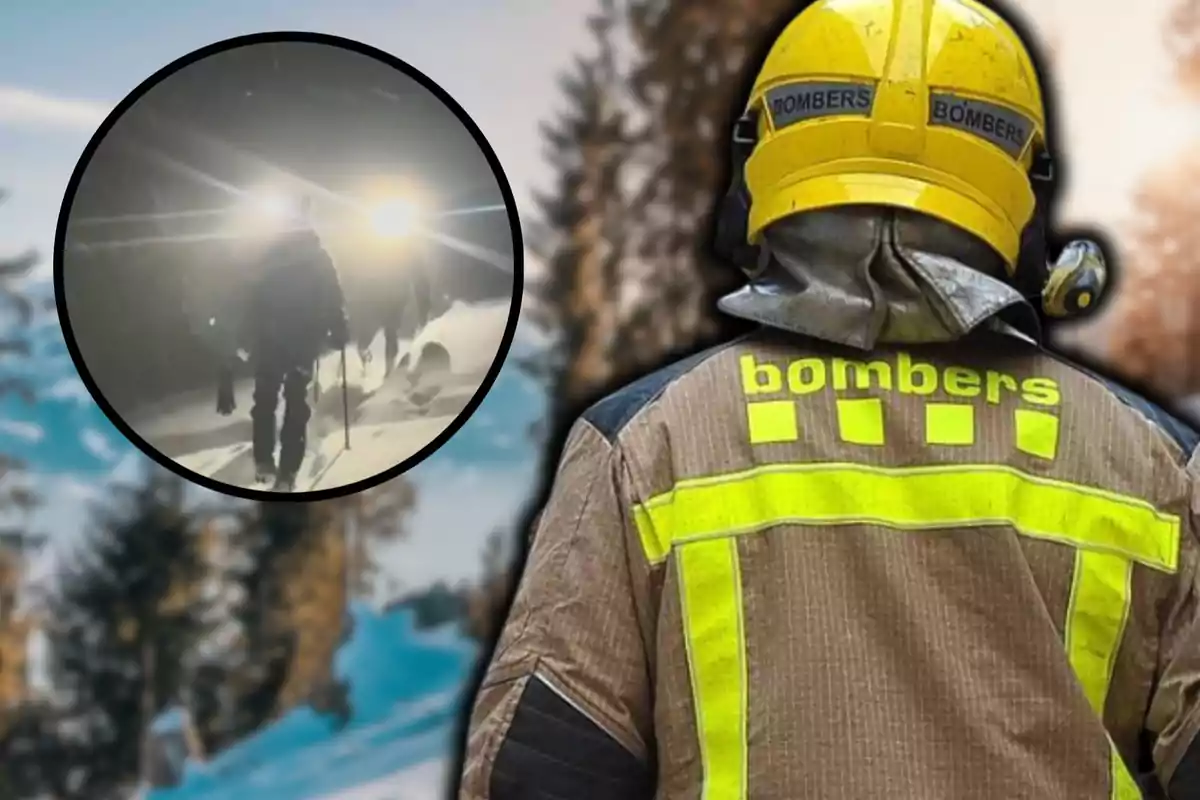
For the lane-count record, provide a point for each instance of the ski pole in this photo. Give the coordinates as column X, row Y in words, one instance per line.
column 345, row 399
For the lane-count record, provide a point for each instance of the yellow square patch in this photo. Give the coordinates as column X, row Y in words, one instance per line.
column 772, row 421
column 1037, row 433
column 950, row 424
column 861, row 421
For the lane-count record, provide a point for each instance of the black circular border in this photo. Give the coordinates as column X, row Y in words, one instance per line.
column 301, row 37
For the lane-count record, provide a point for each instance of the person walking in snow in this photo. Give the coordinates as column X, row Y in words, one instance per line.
column 294, row 311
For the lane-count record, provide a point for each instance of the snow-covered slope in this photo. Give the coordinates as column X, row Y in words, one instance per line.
column 389, row 421
column 405, row 691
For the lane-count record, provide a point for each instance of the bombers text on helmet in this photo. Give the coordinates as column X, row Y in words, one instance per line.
column 930, row 105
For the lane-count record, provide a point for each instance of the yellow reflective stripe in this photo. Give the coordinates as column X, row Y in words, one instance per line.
column 1124, row 787
column 912, row 498
column 1101, row 594
column 654, row 545
column 711, row 591
column 699, row 519
column 1096, row 617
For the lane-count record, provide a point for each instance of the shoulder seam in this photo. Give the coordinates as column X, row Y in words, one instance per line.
column 612, row 414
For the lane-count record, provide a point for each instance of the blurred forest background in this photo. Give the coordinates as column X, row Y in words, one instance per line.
column 233, row 611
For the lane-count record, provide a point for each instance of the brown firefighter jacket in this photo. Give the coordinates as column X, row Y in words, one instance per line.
column 780, row 570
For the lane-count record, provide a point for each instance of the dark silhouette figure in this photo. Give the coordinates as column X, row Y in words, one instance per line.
column 295, row 310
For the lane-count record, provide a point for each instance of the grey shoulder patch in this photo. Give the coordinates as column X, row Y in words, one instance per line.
column 611, row 414
column 1003, row 127
column 798, row 102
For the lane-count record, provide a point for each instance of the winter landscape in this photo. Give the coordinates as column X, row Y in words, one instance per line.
column 405, row 678
column 359, row 700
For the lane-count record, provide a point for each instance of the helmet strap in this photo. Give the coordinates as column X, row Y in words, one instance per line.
column 733, row 214
column 1034, row 258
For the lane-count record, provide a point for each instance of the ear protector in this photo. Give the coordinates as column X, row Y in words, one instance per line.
column 1071, row 282
column 1069, row 287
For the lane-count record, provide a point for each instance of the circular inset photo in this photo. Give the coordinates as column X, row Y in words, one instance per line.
column 288, row 266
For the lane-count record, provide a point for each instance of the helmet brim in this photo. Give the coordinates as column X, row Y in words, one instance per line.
column 937, row 201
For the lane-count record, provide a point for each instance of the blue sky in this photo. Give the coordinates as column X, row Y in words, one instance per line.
column 64, row 65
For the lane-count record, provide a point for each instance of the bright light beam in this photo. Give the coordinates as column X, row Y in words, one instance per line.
column 251, row 158
column 187, row 170
column 395, row 219
column 479, row 253
column 151, row 216
column 87, row 247
column 273, row 206
column 462, row 212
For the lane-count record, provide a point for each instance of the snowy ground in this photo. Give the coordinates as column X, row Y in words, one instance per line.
column 391, row 418
column 428, row 780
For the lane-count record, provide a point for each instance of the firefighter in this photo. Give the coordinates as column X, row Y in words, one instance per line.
column 294, row 311
column 889, row 545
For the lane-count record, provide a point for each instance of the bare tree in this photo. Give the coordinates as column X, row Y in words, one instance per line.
column 18, row 499
column 582, row 230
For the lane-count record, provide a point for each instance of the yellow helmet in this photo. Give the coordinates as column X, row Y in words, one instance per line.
column 929, row 105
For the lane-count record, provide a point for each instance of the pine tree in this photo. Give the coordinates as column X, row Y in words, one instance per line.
column 579, row 298
column 36, row 760
column 695, row 60
column 314, row 579
column 125, row 621
column 370, row 519
column 15, row 628
column 19, row 309
column 641, row 162
column 23, row 722
column 289, row 571
column 201, row 696
column 240, row 693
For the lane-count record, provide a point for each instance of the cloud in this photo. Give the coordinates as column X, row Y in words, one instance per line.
column 26, row 431
column 97, row 444
column 129, row 468
column 25, row 107
column 70, row 389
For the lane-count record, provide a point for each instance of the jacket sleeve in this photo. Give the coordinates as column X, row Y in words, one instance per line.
column 564, row 709
column 1173, row 719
